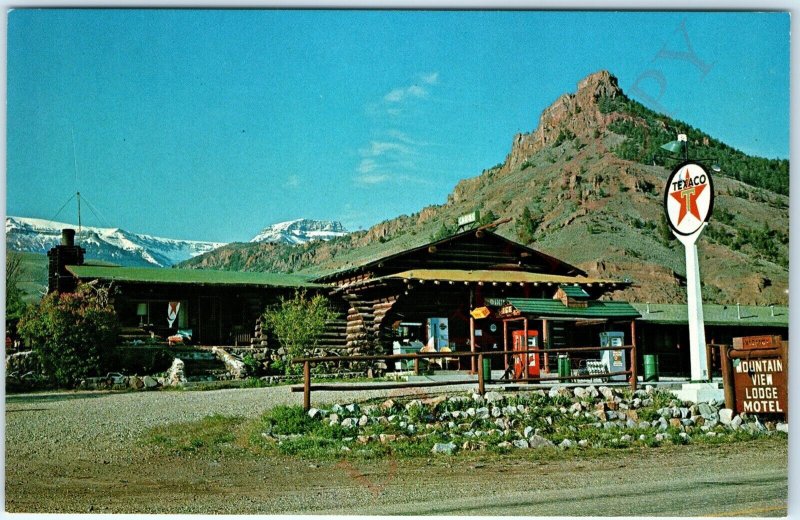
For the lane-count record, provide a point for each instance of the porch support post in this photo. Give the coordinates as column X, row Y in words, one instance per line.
column 472, row 341
column 545, row 346
column 634, row 364
column 505, row 343
column 709, row 357
column 471, row 332
column 481, row 387
column 525, row 374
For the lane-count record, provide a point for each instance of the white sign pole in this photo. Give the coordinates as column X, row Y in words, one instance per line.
column 688, row 203
column 694, row 299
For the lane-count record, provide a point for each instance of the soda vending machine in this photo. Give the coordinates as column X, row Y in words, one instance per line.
column 438, row 333
column 614, row 360
column 531, row 361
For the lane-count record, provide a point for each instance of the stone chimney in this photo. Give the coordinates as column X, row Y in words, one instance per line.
column 60, row 256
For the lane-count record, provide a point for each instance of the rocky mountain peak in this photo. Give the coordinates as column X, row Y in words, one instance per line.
column 599, row 84
column 575, row 114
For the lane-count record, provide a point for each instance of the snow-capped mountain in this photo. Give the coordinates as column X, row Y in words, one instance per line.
column 300, row 231
column 108, row 244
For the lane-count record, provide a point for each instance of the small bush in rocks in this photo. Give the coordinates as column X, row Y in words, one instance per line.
column 584, row 418
column 544, row 425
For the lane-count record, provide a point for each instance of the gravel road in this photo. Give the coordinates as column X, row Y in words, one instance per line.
column 79, row 453
column 44, row 423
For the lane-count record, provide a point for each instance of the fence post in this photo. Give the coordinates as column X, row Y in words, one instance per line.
column 785, row 359
column 727, row 377
column 306, row 385
column 416, row 365
column 481, row 389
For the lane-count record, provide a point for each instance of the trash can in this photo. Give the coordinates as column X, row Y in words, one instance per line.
column 650, row 367
column 487, row 369
column 564, row 366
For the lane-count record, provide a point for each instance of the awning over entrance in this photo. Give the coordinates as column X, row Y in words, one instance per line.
column 506, row 277
column 549, row 308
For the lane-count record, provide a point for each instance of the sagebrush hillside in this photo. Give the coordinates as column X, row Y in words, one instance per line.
column 587, row 186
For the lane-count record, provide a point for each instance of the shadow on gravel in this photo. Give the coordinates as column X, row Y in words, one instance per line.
column 49, row 398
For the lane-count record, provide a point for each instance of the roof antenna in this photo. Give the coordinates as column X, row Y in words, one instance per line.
column 75, row 168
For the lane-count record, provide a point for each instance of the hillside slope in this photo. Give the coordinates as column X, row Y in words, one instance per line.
column 585, row 187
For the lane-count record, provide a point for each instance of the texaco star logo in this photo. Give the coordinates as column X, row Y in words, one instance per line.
column 688, row 198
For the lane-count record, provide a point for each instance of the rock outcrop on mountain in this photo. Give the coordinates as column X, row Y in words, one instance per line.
column 578, row 114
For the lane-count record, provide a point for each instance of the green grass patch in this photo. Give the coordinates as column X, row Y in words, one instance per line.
column 414, row 429
column 212, row 434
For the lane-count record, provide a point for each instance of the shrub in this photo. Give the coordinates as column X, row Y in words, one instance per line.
column 527, row 225
column 443, row 232
column 15, row 306
column 73, row 333
column 288, row 420
column 298, row 322
column 487, row 218
column 565, row 134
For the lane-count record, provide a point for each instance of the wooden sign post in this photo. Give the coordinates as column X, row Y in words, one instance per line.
column 754, row 373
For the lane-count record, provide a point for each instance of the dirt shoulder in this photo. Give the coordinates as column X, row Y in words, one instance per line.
column 748, row 479
column 83, row 454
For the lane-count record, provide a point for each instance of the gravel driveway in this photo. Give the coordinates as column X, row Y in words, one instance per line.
column 78, row 452
column 88, row 421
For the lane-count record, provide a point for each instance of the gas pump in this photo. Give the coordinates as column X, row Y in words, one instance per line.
column 614, row 360
column 531, row 361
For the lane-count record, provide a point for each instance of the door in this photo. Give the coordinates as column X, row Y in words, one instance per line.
column 209, row 320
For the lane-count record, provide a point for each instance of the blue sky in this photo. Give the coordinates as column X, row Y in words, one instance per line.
column 211, row 125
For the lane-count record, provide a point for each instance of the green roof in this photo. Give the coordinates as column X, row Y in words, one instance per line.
column 726, row 315
column 574, row 292
column 376, row 251
column 188, row 276
column 547, row 307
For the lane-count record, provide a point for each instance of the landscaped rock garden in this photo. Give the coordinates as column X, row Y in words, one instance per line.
column 563, row 418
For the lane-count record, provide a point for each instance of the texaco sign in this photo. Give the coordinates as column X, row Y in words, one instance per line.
column 688, row 198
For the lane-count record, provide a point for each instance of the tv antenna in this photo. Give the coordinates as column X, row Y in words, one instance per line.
column 77, row 194
column 75, row 169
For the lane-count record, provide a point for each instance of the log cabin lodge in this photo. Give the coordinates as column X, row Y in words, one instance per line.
column 472, row 290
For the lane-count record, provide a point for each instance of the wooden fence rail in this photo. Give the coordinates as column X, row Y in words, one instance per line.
column 307, row 361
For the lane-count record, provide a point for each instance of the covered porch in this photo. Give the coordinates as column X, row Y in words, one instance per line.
column 568, row 321
column 456, row 311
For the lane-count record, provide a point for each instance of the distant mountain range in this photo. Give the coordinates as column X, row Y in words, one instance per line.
column 300, row 231
column 134, row 249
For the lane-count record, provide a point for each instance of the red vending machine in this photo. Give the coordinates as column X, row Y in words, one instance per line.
column 526, row 360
